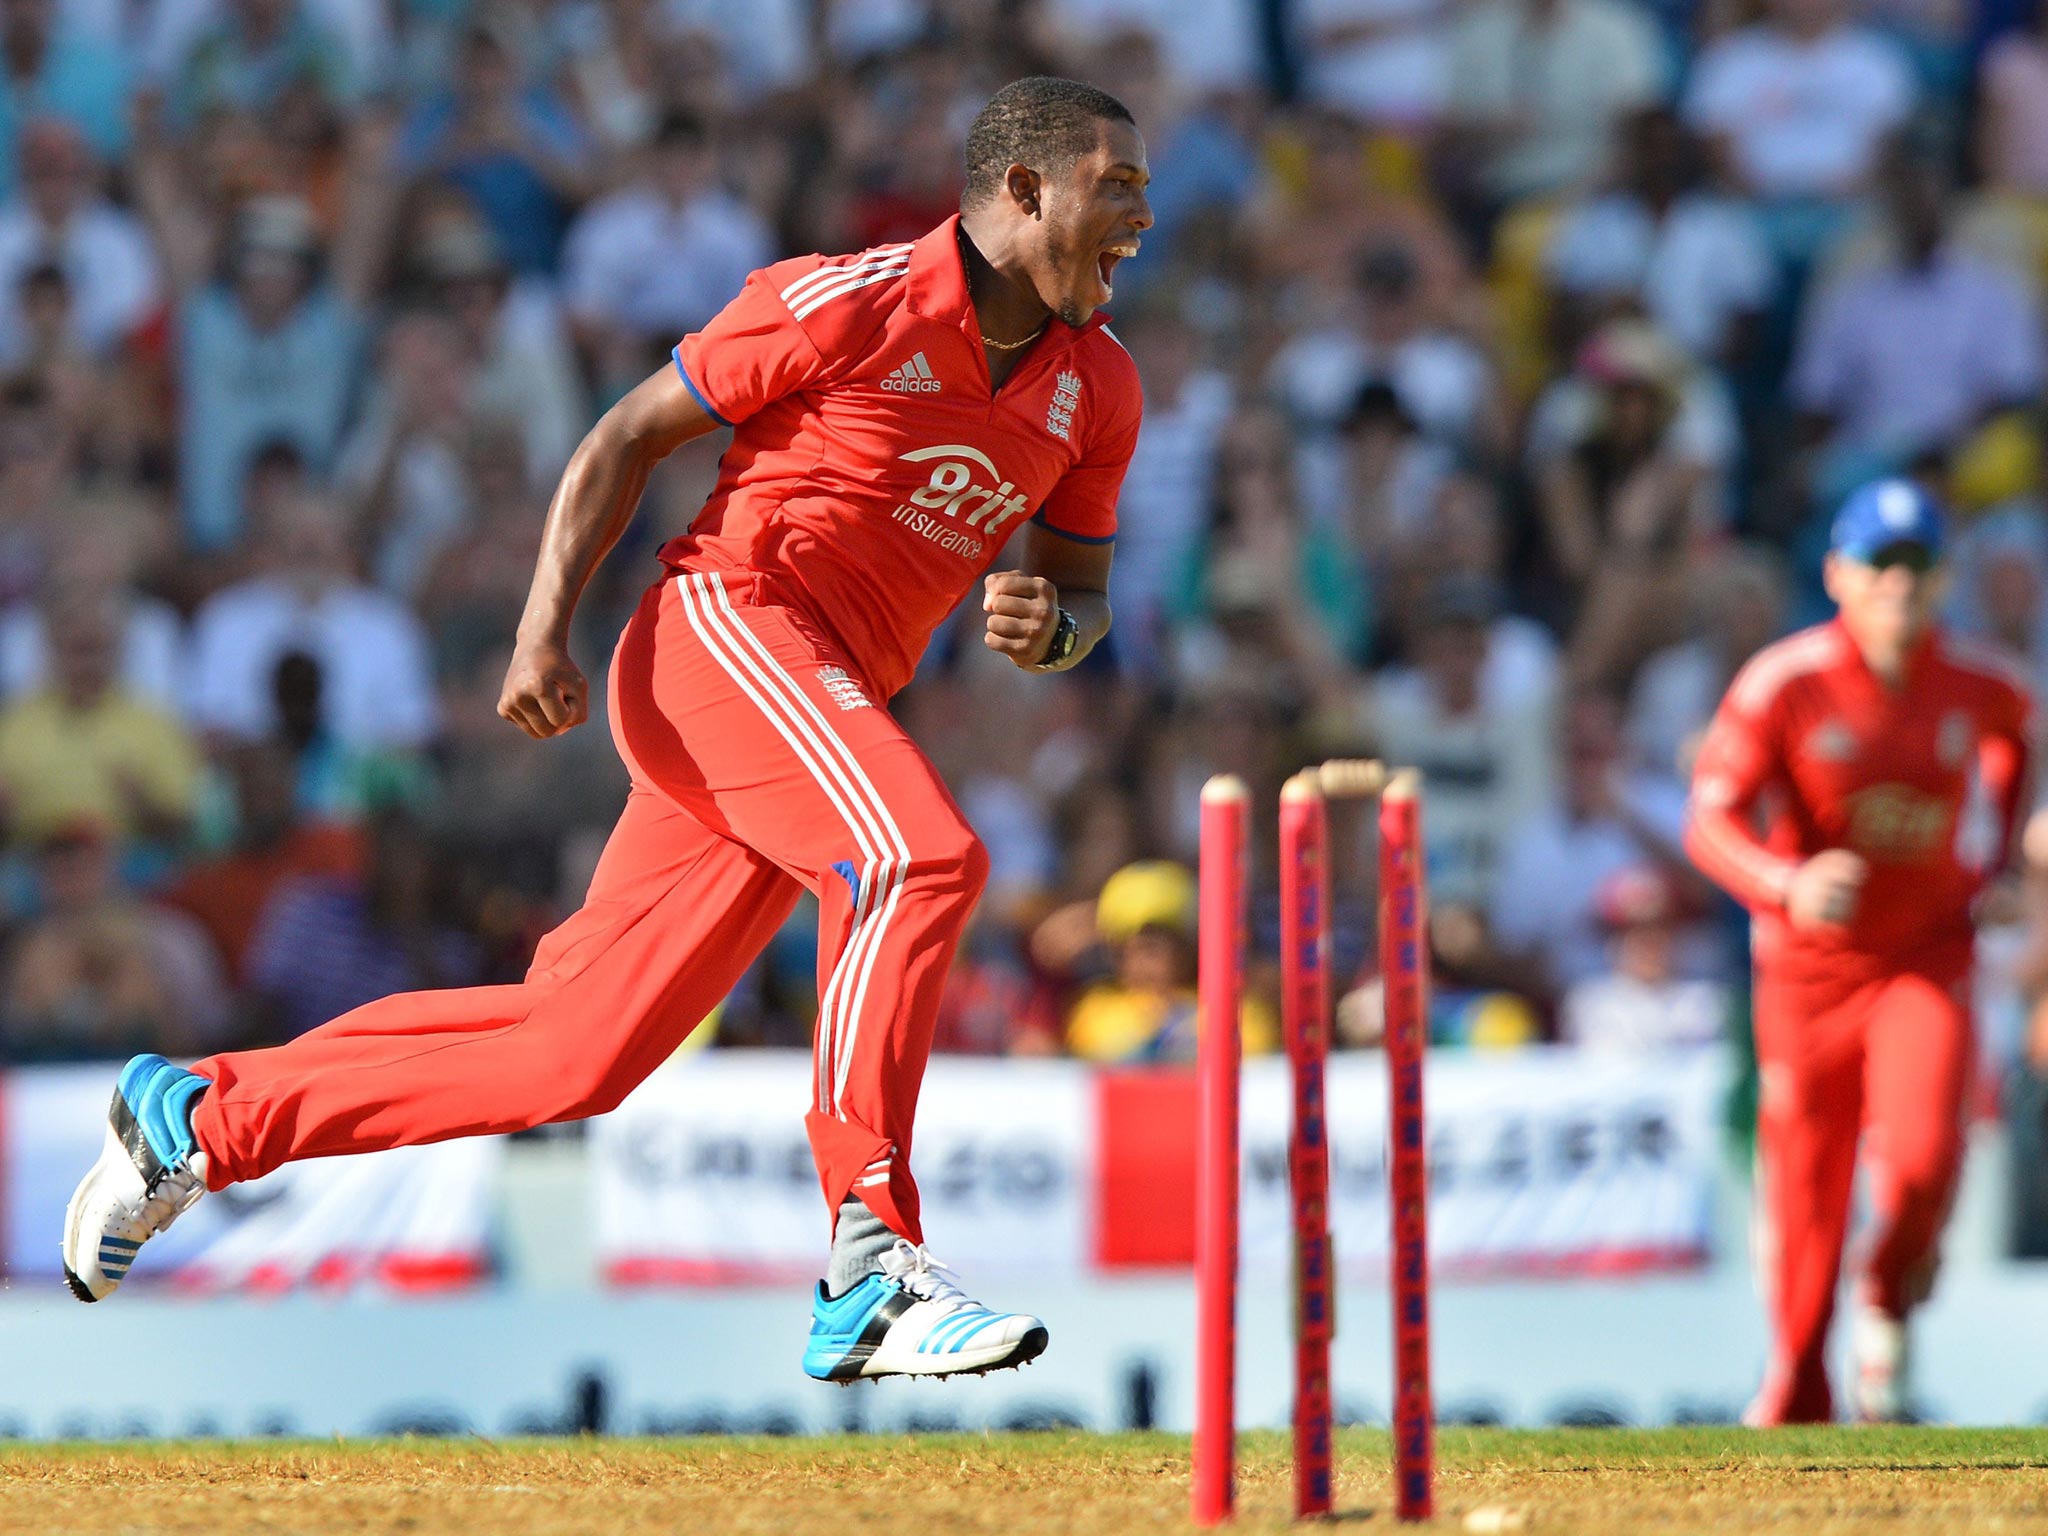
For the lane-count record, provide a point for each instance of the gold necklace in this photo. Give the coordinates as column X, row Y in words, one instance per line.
column 1011, row 346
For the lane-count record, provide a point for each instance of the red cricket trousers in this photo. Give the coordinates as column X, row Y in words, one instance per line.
column 1886, row 1063
column 760, row 765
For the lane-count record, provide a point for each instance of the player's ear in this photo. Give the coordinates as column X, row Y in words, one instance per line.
column 1022, row 183
column 1830, row 567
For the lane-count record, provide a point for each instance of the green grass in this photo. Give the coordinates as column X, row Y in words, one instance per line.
column 1811, row 1481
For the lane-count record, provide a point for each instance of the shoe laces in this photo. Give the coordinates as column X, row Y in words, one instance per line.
column 911, row 1266
column 170, row 1197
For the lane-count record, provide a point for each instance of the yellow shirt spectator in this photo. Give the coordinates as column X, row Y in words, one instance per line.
column 84, row 751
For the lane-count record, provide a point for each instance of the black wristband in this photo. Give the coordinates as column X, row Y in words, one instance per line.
column 1066, row 634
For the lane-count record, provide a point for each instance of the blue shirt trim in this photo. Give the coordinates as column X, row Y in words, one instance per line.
column 691, row 385
column 1078, row 538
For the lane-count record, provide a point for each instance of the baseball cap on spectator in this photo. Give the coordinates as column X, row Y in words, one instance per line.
column 1152, row 893
column 1886, row 515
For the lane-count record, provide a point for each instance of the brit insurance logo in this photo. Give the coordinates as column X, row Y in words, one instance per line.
column 957, row 508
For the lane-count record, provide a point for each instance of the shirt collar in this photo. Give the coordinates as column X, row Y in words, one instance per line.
column 937, row 290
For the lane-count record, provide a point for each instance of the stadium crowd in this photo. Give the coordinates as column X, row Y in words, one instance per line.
column 1503, row 360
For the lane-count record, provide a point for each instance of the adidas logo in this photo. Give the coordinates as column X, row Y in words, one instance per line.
column 913, row 378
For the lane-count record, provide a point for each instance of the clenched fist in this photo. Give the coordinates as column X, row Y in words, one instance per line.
column 1022, row 613
column 1825, row 889
column 544, row 693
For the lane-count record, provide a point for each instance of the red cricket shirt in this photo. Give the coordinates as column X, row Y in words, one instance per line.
column 1812, row 745
column 872, row 476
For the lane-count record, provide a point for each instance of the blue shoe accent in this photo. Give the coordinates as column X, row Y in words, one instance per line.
column 161, row 1097
column 846, row 1329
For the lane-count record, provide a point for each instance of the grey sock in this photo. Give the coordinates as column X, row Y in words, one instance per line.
column 857, row 1247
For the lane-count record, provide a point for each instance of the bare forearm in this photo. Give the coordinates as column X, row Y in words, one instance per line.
column 593, row 505
column 1091, row 617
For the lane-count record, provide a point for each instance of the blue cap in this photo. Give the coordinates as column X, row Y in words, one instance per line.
column 1884, row 513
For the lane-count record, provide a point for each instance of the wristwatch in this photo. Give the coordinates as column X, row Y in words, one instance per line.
column 1066, row 634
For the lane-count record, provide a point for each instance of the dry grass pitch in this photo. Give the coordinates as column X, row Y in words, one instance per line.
column 1595, row 1481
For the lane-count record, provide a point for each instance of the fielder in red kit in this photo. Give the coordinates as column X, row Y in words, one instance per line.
column 898, row 415
column 1826, row 799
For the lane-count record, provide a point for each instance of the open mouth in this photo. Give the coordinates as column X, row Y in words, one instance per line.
column 1105, row 264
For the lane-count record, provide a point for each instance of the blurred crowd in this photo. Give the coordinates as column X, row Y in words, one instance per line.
column 1503, row 360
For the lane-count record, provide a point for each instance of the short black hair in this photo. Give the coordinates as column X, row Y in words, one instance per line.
column 1041, row 121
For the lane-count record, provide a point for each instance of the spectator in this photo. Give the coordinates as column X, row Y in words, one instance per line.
column 511, row 147
column 1661, row 243
column 305, row 596
column 514, row 349
column 2012, row 136
column 96, row 570
column 1386, row 332
column 62, row 220
column 1554, row 864
column 656, row 259
column 98, row 973
column 272, row 841
column 270, row 351
column 1627, row 456
column 253, row 53
column 1171, row 483
column 1486, row 759
column 1798, row 106
column 328, row 943
column 1642, row 1005
column 1383, row 62
column 1918, row 350
column 84, row 749
column 1145, row 1009
column 1738, row 602
column 1536, row 86
column 51, row 66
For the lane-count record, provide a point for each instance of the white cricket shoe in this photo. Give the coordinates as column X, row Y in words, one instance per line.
column 1882, row 1359
column 149, row 1173
column 910, row 1320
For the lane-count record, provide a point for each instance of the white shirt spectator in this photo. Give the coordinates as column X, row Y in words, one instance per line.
column 1489, row 771
column 108, row 264
column 1442, row 380
column 377, row 679
column 1396, row 69
column 1552, row 869
column 152, row 652
column 1697, row 269
column 1623, row 1014
column 1905, row 359
column 644, row 264
column 1563, row 79
column 1804, row 118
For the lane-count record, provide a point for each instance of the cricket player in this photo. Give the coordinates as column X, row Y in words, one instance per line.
column 897, row 416
column 1826, row 799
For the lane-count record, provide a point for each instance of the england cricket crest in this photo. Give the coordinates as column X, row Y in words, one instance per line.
column 1066, row 395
